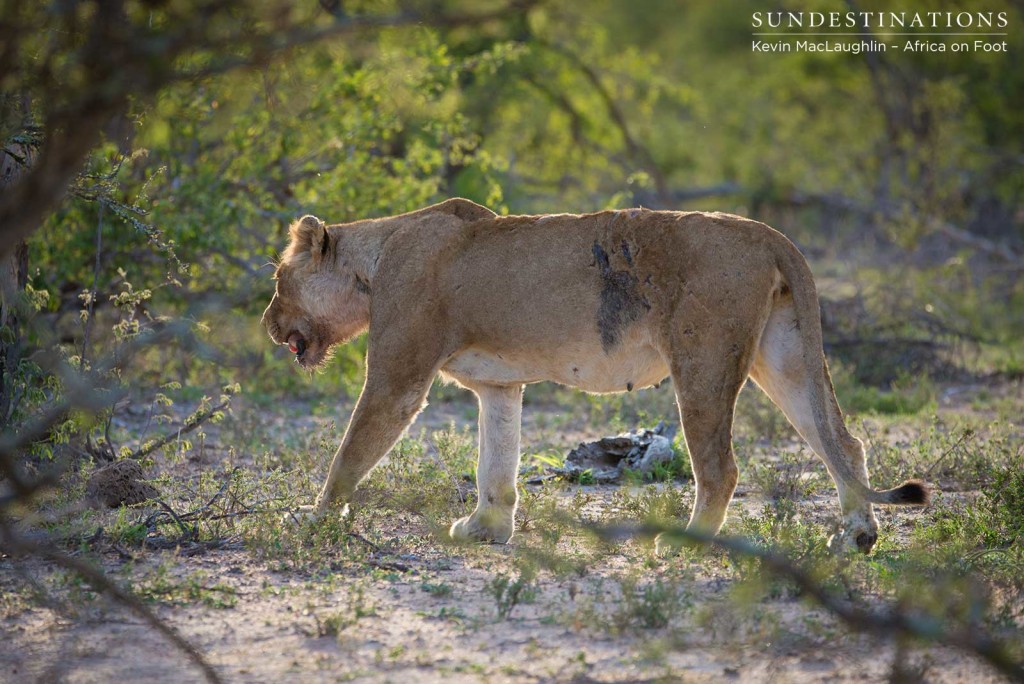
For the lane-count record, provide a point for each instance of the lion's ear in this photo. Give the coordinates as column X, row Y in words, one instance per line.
column 309, row 236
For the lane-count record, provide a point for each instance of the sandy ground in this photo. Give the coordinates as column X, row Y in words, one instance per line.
column 278, row 630
column 274, row 632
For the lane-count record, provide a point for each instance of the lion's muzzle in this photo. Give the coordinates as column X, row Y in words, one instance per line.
column 297, row 344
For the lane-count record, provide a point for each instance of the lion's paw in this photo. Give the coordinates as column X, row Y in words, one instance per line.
column 493, row 527
column 668, row 545
column 853, row 541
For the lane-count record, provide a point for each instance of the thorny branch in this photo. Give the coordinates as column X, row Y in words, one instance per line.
column 81, row 391
column 967, row 434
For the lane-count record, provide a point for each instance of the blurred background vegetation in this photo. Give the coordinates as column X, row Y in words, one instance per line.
column 175, row 140
column 155, row 151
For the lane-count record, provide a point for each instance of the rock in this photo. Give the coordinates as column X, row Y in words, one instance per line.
column 609, row 457
column 120, row 483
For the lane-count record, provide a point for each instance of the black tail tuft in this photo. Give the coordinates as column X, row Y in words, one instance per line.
column 911, row 492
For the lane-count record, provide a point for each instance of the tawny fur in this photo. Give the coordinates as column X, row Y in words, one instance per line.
column 605, row 302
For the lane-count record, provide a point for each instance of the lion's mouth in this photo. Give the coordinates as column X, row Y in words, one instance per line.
column 297, row 344
column 309, row 352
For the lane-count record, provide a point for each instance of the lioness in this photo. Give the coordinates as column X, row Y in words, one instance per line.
column 605, row 302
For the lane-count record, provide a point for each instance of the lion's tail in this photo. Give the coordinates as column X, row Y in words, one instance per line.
column 797, row 274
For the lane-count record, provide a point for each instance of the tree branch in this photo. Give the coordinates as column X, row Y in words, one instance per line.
column 191, row 424
column 119, row 63
column 638, row 152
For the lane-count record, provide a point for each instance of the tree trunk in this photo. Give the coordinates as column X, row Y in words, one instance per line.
column 15, row 159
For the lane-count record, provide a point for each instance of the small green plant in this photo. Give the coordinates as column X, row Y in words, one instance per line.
column 1002, row 505
column 433, row 485
column 509, row 593
column 780, row 525
column 437, row 589
column 127, row 528
column 653, row 503
column 676, row 468
column 585, row 477
column 651, row 606
column 544, row 511
column 538, row 463
column 792, row 476
column 357, row 608
column 163, row 587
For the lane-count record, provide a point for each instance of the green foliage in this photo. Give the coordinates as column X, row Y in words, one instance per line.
column 793, row 476
column 431, row 484
column 649, row 605
column 163, row 586
column 509, row 593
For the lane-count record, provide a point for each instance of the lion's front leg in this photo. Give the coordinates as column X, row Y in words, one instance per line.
column 501, row 409
column 386, row 407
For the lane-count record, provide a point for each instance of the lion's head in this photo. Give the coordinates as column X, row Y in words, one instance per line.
column 319, row 301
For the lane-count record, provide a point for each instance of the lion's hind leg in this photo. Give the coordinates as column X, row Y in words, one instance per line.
column 780, row 369
column 707, row 383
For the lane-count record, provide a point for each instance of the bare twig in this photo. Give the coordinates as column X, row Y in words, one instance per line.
column 393, row 566
column 91, row 305
column 236, row 514
column 361, row 538
column 220, row 492
column 187, row 533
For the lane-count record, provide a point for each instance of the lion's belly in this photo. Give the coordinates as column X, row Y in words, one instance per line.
column 632, row 364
